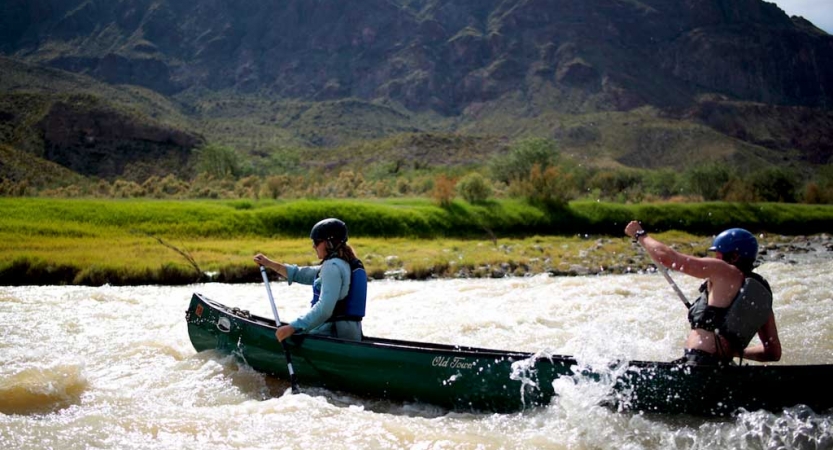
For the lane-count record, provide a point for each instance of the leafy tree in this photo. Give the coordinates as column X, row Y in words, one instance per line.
column 613, row 183
column 775, row 184
column 218, row 161
column 662, row 182
column 550, row 188
column 284, row 161
column 474, row 188
column 518, row 162
column 707, row 180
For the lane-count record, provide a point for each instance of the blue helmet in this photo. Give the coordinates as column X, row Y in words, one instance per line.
column 736, row 240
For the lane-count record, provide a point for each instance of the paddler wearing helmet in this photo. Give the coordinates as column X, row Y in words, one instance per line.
column 339, row 285
column 734, row 304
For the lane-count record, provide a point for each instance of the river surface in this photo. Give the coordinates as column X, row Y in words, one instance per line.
column 112, row 367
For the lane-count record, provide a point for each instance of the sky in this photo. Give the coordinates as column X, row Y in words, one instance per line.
column 820, row 12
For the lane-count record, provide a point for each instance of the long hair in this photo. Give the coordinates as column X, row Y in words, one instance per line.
column 344, row 251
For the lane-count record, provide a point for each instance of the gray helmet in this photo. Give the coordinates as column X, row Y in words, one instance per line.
column 332, row 230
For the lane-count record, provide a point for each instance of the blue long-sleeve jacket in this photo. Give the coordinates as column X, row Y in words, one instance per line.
column 332, row 279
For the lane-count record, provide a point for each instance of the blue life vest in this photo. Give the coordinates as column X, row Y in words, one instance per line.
column 352, row 306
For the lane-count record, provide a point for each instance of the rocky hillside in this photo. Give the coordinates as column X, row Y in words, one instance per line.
column 87, row 127
column 446, row 56
column 549, row 67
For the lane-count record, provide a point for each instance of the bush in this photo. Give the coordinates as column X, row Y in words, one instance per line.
column 348, row 184
column 549, row 188
column 613, row 184
column 775, row 185
column 707, row 180
column 813, row 194
column 474, row 188
column 443, row 192
column 522, row 157
column 275, row 186
column 218, row 161
column 248, row 187
column 737, row 190
column 662, row 183
column 127, row 189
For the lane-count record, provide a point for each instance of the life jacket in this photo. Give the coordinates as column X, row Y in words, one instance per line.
column 352, row 306
column 741, row 320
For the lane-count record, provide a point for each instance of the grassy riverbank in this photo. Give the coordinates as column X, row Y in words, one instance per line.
column 92, row 242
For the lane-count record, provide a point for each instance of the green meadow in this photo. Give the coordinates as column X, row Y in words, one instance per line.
column 133, row 241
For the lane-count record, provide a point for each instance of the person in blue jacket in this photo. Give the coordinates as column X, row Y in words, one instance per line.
column 735, row 303
column 339, row 285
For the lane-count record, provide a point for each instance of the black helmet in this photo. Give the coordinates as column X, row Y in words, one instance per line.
column 332, row 230
column 736, row 240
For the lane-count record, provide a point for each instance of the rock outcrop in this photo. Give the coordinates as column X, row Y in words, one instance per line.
column 436, row 55
column 96, row 140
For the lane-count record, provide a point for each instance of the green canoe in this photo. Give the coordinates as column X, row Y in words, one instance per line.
column 484, row 380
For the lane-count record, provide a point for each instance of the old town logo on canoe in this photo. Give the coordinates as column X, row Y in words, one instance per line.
column 452, row 363
column 198, row 311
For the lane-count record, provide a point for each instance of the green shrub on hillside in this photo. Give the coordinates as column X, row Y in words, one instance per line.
column 522, row 157
column 218, row 161
column 775, row 185
column 707, row 180
column 474, row 188
column 550, row 188
column 612, row 184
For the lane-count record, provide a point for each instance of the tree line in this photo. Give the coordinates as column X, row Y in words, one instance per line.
column 531, row 169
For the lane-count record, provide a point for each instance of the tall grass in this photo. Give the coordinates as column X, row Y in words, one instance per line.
column 414, row 218
column 71, row 241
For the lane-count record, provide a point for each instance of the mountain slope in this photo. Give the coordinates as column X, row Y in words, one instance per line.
column 648, row 83
column 437, row 55
column 89, row 127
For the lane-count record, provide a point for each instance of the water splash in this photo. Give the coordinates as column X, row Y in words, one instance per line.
column 42, row 390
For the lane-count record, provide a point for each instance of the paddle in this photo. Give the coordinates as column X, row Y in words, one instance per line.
column 293, row 379
column 664, row 271
column 676, row 288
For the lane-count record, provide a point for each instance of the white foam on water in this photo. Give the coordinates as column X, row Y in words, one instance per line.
column 118, row 371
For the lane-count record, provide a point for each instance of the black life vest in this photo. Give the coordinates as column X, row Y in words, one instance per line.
column 741, row 320
column 352, row 306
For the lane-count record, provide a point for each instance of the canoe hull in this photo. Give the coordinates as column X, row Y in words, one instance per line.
column 484, row 380
column 456, row 378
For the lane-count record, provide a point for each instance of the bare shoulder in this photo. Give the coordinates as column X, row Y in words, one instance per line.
column 706, row 267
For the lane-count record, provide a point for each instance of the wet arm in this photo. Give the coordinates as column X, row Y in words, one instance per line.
column 770, row 348
column 667, row 257
column 674, row 260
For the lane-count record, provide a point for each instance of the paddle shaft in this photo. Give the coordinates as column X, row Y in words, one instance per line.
column 674, row 285
column 664, row 271
column 293, row 379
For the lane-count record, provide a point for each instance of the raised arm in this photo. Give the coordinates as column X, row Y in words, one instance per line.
column 723, row 275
